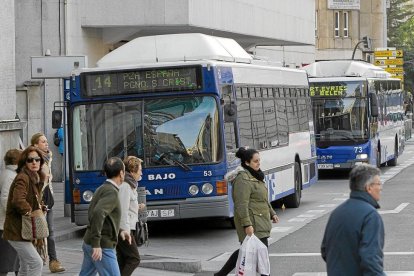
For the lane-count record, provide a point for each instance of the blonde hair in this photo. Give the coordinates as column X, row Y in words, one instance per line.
column 132, row 164
column 35, row 138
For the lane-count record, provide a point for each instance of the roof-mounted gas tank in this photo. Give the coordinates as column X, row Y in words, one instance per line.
column 176, row 47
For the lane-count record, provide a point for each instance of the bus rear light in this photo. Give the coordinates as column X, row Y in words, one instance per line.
column 76, row 196
column 221, row 186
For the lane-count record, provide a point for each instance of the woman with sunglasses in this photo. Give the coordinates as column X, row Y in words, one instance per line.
column 39, row 141
column 127, row 253
column 24, row 197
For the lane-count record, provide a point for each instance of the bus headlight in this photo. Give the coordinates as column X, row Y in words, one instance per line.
column 362, row 156
column 87, row 196
column 207, row 188
column 193, row 190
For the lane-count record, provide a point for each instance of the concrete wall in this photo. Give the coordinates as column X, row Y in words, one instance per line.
column 9, row 127
column 368, row 21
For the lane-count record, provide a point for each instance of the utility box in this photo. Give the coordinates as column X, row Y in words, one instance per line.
column 52, row 67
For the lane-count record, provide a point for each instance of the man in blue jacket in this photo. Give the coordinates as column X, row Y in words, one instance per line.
column 354, row 236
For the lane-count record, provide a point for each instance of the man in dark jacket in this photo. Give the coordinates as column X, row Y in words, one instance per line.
column 104, row 216
column 354, row 236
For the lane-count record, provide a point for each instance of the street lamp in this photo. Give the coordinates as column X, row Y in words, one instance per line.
column 367, row 44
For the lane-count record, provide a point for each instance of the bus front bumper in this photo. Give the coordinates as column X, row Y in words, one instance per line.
column 204, row 207
column 340, row 166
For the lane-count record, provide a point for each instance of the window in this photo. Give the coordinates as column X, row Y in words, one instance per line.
column 282, row 121
column 336, row 22
column 346, row 24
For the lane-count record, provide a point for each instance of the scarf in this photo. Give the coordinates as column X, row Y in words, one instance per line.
column 259, row 175
column 130, row 180
column 46, row 155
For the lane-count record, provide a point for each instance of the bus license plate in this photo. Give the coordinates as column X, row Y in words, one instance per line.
column 162, row 213
column 325, row 166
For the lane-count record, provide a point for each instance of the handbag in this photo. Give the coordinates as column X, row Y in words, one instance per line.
column 48, row 199
column 34, row 226
column 141, row 233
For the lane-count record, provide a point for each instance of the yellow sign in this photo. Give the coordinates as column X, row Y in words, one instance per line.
column 394, row 70
column 389, row 53
column 401, row 77
column 395, row 61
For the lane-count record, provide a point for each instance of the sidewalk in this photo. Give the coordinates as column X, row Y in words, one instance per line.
column 71, row 254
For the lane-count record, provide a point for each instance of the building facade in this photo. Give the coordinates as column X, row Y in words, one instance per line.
column 340, row 25
column 95, row 27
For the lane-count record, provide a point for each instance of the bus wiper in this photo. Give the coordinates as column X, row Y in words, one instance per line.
column 172, row 161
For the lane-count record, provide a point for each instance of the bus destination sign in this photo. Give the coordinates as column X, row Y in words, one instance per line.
column 141, row 80
column 328, row 91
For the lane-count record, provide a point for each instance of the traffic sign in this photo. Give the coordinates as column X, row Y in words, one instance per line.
column 395, row 61
column 394, row 70
column 389, row 53
column 401, row 77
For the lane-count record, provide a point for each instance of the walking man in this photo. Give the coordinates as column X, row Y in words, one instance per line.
column 104, row 216
column 354, row 236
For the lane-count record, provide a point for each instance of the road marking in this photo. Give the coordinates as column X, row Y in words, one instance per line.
column 340, row 199
column 306, row 216
column 396, row 210
column 297, row 219
column 313, row 254
column 327, row 205
column 315, row 211
column 280, row 229
column 388, row 273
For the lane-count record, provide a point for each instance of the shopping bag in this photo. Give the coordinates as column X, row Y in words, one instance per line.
column 247, row 259
column 263, row 263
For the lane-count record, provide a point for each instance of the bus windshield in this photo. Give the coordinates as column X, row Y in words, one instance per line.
column 340, row 111
column 162, row 132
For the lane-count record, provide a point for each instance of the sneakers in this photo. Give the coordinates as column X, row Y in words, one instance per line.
column 55, row 266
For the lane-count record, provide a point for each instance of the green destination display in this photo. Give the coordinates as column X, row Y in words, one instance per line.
column 328, row 90
column 141, row 80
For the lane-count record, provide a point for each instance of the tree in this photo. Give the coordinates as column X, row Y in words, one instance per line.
column 400, row 18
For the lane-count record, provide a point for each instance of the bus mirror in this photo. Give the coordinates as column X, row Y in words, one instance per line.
column 373, row 104
column 230, row 113
column 56, row 119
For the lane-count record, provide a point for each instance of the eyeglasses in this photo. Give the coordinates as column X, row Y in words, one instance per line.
column 31, row 159
column 377, row 183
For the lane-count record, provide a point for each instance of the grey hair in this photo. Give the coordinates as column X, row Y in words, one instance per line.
column 362, row 176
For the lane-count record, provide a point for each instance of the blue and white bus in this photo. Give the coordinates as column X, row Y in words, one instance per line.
column 358, row 114
column 184, row 110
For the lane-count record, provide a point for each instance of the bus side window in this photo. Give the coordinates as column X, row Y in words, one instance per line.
column 230, row 117
column 282, row 122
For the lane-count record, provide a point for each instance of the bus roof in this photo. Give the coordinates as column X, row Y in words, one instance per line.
column 175, row 47
column 345, row 68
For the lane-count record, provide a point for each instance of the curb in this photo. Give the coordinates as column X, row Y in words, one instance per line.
column 73, row 232
column 178, row 265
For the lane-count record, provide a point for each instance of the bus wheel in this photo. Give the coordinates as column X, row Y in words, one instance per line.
column 393, row 162
column 378, row 158
column 293, row 200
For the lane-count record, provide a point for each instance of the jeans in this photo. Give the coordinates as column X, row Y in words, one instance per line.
column 30, row 261
column 108, row 266
column 51, row 249
column 128, row 256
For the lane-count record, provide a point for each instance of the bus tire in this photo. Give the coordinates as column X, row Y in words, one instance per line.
column 293, row 200
column 393, row 162
column 379, row 157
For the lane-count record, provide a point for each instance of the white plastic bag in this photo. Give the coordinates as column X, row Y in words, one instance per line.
column 247, row 260
column 253, row 258
column 263, row 263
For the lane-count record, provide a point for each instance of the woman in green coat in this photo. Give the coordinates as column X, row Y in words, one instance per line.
column 252, row 210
